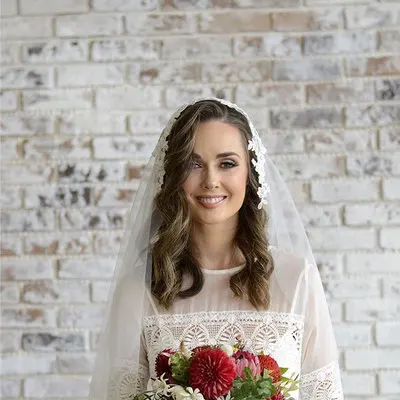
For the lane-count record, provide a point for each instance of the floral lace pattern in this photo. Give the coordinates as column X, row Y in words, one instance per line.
column 254, row 145
column 322, row 384
column 127, row 378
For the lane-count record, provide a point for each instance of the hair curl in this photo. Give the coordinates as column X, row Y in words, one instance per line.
column 171, row 254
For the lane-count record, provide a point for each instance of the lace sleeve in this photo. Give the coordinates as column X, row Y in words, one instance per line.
column 320, row 374
column 322, row 384
column 128, row 379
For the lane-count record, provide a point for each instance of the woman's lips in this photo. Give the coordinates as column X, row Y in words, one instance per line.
column 210, row 201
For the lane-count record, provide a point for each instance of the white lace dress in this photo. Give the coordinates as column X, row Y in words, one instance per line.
column 296, row 331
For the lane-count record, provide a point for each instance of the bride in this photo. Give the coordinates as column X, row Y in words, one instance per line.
column 214, row 249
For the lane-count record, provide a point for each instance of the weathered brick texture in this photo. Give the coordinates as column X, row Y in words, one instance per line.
column 87, row 87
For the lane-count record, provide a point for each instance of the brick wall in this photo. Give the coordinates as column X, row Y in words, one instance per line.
column 86, row 89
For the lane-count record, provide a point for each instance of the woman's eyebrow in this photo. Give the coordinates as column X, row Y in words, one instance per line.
column 220, row 155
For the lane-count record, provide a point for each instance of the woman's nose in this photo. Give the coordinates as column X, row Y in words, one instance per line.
column 210, row 180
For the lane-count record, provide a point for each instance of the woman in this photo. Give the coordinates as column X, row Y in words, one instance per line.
column 214, row 250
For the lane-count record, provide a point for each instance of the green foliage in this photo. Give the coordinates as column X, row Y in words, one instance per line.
column 253, row 387
column 180, row 368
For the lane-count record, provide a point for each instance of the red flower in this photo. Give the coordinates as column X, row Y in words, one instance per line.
column 200, row 348
column 277, row 396
column 212, row 371
column 246, row 359
column 162, row 365
column 269, row 364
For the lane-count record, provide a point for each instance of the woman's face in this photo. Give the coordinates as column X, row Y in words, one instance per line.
column 216, row 185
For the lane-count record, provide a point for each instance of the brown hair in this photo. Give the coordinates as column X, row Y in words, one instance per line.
column 171, row 253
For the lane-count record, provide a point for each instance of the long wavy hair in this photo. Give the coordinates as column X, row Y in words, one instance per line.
column 172, row 256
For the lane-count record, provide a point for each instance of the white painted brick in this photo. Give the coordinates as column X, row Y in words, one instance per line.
column 27, row 364
column 344, row 190
column 107, row 243
column 25, row 124
column 9, row 52
column 358, row 384
column 353, row 335
column 9, row 293
column 122, row 49
column 200, row 47
column 28, row 173
column 8, row 7
column 28, row 317
column 10, row 341
column 81, row 317
column 309, row 167
column 128, row 97
column 26, row 27
column 8, row 101
column 75, row 364
column 89, row 25
column 370, row 17
column 55, row 292
column 341, row 140
column 389, row 382
column 64, row 387
column 390, row 238
column 28, row 220
column 10, row 388
column 271, row 45
column 75, row 219
column 92, row 123
column 91, row 268
column 26, row 269
column 348, row 288
column 124, row 5
column 176, row 96
column 299, row 191
column 391, row 189
column 52, row 51
column 10, row 197
column 372, row 310
column 11, row 150
column 388, row 333
column 313, row 215
column 90, row 74
column 33, row 7
column 329, row 264
column 370, row 359
column 380, row 164
column 283, row 142
column 160, row 24
column 46, row 341
column 114, row 196
column 372, row 214
column 57, row 99
column 100, row 291
column 113, row 171
column 148, row 122
column 70, row 243
column 389, row 138
column 367, row 115
column 132, row 148
column 268, row 95
column 341, row 238
column 372, row 263
column 391, row 287
column 10, row 245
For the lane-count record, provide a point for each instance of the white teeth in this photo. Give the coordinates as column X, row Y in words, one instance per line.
column 210, row 200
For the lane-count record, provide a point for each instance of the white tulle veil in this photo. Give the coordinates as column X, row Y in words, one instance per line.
column 117, row 363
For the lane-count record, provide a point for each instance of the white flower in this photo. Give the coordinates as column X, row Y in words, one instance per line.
column 228, row 349
column 161, row 386
column 180, row 393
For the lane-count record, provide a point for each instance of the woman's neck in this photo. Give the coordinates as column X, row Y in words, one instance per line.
column 214, row 247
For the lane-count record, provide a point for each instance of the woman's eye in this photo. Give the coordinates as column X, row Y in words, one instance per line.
column 228, row 164
column 194, row 165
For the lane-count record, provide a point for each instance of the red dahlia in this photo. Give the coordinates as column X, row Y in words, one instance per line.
column 212, row 371
column 162, row 365
column 277, row 396
column 200, row 348
column 269, row 364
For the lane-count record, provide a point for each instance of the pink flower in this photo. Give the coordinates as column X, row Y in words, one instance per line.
column 246, row 359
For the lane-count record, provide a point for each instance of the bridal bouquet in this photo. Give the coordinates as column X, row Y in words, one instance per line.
column 218, row 373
